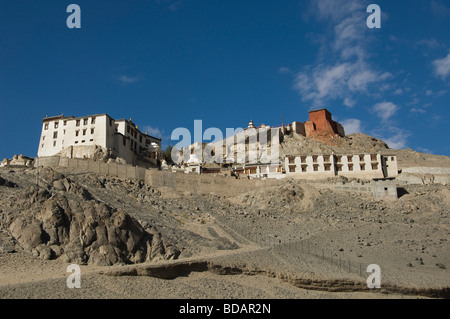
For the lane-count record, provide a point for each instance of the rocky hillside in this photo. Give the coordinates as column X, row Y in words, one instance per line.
column 62, row 220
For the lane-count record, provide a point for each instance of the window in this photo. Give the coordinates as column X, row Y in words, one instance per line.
column 117, row 127
column 91, row 140
column 349, row 158
column 78, row 123
column 110, row 122
column 128, row 129
column 43, row 138
column 65, row 122
column 315, row 158
column 350, row 167
column 292, row 168
column 291, row 160
column 76, row 142
column 64, row 132
column 85, row 121
column 373, row 157
column 42, row 145
column 326, row 158
column 124, row 141
column 392, row 158
column 92, row 130
column 77, row 132
column 55, row 124
column 339, row 159
column 339, row 168
column 93, row 120
column 55, row 134
column 361, row 158
column 54, row 143
column 303, row 159
column 316, row 167
column 84, row 132
column 327, row 167
column 304, row 168
column 375, row 166
column 140, row 138
column 46, row 126
column 363, row 167
column 83, row 141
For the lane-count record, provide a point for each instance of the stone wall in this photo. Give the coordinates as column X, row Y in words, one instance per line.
column 179, row 181
column 427, row 170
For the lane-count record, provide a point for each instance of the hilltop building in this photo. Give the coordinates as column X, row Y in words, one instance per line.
column 98, row 137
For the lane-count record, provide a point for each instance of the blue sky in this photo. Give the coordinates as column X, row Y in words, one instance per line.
column 166, row 63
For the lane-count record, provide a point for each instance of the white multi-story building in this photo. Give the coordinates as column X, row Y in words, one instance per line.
column 359, row 165
column 83, row 137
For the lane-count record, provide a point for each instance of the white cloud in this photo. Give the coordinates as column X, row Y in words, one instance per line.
column 342, row 69
column 398, row 92
column 442, row 67
column 385, row 110
column 125, row 79
column 334, row 10
column 337, row 81
column 349, row 102
column 439, row 9
column 417, row 110
column 284, row 70
column 424, row 150
column 153, row 131
column 429, row 43
column 398, row 140
column 428, row 92
column 351, row 126
column 176, row 5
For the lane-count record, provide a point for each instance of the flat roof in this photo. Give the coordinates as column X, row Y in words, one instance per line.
column 62, row 117
column 322, row 109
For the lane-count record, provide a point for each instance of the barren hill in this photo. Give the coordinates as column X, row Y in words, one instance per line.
column 286, row 239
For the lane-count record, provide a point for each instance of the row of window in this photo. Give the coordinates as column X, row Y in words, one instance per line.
column 327, row 167
column 78, row 123
column 326, row 158
column 76, row 142
column 85, row 121
column 77, row 132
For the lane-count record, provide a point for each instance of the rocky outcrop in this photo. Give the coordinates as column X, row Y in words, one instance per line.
column 66, row 222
